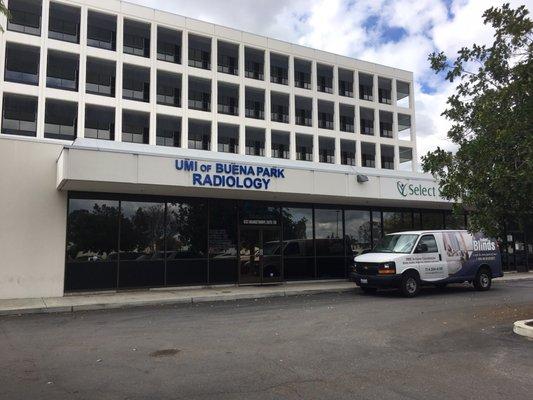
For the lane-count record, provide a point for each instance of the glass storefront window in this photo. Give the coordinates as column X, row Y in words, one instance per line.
column 298, row 244
column 376, row 227
column 329, row 241
column 397, row 221
column 142, row 239
column 222, row 241
column 256, row 213
column 92, row 244
column 186, row 243
column 454, row 221
column 148, row 241
column 431, row 220
column 357, row 225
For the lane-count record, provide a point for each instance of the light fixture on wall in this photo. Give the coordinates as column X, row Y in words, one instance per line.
column 362, row 178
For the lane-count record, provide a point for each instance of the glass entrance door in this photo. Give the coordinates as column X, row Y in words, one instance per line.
column 259, row 255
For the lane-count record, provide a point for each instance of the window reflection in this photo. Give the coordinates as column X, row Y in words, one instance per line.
column 186, row 243
column 432, row 220
column 376, row 227
column 397, row 221
column 222, row 241
column 92, row 240
column 357, row 231
column 298, row 244
column 329, row 243
column 142, row 239
column 454, row 221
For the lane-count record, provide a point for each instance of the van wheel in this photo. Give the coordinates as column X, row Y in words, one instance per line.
column 410, row 284
column 483, row 280
column 369, row 290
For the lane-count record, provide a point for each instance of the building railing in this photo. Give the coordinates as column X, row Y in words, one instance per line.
column 21, row 77
column 18, row 126
column 228, row 109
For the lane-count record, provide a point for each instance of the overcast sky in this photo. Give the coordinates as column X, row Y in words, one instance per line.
column 396, row 33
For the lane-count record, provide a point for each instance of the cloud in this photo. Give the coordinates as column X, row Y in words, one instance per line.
column 397, row 33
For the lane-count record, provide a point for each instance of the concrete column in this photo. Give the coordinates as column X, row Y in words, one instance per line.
column 336, row 116
column 396, row 158
column 376, row 122
column 394, row 125
column 413, row 142
column 337, row 150
column 313, row 76
column 82, row 71
column 292, row 145
column 378, row 155
column 242, row 99
column 358, row 162
column 315, row 148
column 153, row 85
column 42, row 70
column 335, row 80
column 375, row 88
column 268, row 105
column 394, row 94
column 118, row 83
column 214, row 94
column 356, row 84
column 185, row 90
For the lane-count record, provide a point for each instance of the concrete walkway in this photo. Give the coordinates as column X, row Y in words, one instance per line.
column 139, row 298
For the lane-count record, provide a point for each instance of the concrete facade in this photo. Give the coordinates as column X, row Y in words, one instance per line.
column 37, row 173
column 32, row 220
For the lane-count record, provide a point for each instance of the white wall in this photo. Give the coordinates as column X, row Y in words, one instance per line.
column 33, row 218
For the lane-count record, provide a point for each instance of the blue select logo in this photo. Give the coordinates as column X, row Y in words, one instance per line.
column 230, row 175
column 410, row 189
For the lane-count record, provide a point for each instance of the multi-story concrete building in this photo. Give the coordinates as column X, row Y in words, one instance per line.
column 139, row 148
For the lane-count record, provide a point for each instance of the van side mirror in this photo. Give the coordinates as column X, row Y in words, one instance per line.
column 421, row 248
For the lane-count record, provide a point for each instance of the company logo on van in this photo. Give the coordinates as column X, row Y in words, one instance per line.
column 410, row 189
column 484, row 245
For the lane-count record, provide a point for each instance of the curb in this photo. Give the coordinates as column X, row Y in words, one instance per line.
column 289, row 290
column 183, row 300
column 524, row 328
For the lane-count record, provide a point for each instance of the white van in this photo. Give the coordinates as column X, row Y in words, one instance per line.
column 407, row 260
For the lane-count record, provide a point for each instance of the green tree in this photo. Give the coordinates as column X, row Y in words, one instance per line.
column 491, row 113
column 3, row 11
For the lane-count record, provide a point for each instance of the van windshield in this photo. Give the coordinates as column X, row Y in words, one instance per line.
column 395, row 244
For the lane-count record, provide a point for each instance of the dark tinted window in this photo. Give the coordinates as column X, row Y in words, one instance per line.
column 19, row 115
column 99, row 122
column 92, row 244
column 142, row 239
column 222, row 241
column 168, row 45
column 136, row 38
column 186, row 243
column 329, row 242
column 168, row 131
column 358, row 233
column 64, row 23
column 298, row 243
column 61, row 119
column 25, row 16
column 396, row 221
column 101, row 30
column 100, row 77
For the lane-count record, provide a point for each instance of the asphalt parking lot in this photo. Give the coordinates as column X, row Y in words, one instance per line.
column 451, row 343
